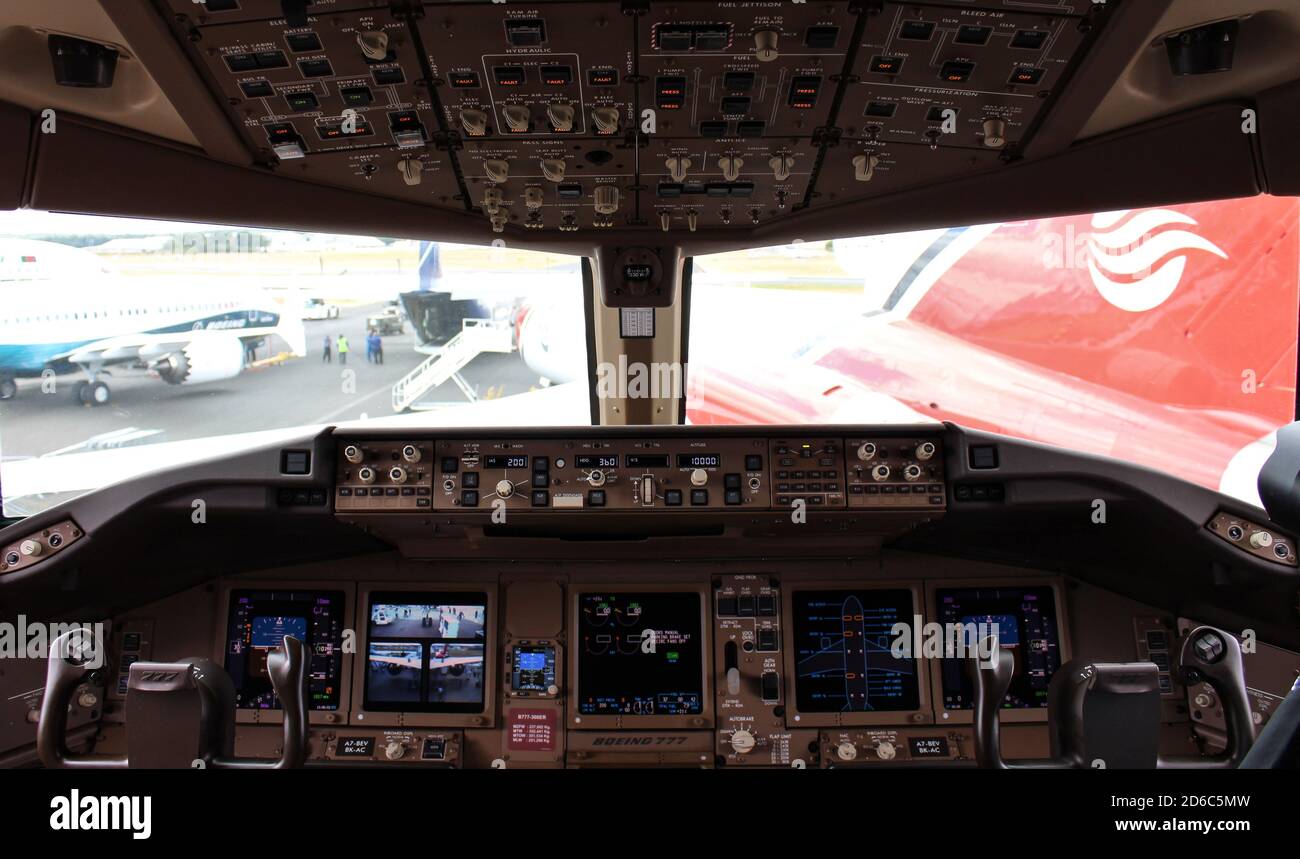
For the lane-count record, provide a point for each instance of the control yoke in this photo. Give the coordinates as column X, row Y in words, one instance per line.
column 180, row 714
column 1108, row 714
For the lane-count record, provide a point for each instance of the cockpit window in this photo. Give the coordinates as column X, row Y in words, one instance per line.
column 129, row 345
column 1162, row 336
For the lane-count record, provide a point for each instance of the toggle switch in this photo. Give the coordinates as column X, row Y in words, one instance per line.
column 474, row 122
column 497, row 170
column 561, row 116
column 692, row 221
column 373, row 43
column 411, row 170
column 518, row 117
column 677, row 166
column 765, row 45
column 606, row 119
column 730, row 166
column 781, row 166
column 553, row 169
column 864, row 167
column 665, row 221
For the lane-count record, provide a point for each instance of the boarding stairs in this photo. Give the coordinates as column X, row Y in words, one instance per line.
column 476, row 337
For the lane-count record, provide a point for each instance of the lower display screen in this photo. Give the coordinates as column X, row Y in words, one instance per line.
column 640, row 654
column 842, row 649
column 425, row 651
column 258, row 622
column 1027, row 626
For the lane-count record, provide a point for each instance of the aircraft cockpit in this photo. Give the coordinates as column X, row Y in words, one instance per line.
column 439, row 386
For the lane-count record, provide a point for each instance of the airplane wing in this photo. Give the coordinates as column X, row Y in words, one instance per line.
column 403, row 661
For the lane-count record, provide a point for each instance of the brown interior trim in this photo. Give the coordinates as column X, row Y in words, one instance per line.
column 1124, row 34
column 16, row 130
column 1197, row 155
column 144, row 30
column 1279, row 128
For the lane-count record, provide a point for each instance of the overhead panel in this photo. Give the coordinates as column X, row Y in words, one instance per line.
column 576, row 115
column 540, row 99
column 340, row 99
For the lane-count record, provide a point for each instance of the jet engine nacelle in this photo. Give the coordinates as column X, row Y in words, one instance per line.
column 552, row 342
column 208, row 359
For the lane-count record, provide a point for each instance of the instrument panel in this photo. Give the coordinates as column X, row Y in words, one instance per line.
column 642, row 474
column 589, row 114
column 788, row 666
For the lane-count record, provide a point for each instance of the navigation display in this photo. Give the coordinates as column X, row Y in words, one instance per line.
column 424, row 652
column 260, row 619
column 843, row 660
column 1027, row 626
column 640, row 654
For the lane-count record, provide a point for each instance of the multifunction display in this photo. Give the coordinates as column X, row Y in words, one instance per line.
column 640, row 654
column 1024, row 621
column 844, row 655
column 258, row 622
column 424, row 652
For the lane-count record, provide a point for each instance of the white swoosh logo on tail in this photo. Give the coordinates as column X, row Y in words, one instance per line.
column 1116, row 247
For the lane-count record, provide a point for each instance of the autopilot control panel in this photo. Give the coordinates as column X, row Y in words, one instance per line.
column 642, row 475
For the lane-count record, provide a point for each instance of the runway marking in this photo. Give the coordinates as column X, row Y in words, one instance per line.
column 326, row 418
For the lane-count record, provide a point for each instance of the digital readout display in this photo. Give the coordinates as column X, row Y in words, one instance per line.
column 510, row 461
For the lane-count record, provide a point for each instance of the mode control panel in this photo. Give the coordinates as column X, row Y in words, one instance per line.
column 716, row 473
column 592, row 474
column 896, row 472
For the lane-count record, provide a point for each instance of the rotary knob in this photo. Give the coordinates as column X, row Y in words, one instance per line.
column 411, row 453
column 366, row 474
column 912, row 472
column 925, row 450
column 505, row 488
column 880, row 472
column 866, row 451
column 373, row 43
column 1261, row 539
column 699, row 477
column 352, row 453
column 394, row 750
column 397, row 474
column 87, row 700
column 886, row 750
column 742, row 742
column 846, row 751
column 31, row 548
column 596, row 478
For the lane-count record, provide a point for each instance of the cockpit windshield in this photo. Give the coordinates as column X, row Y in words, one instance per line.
column 1162, row 336
column 130, row 345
